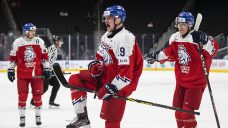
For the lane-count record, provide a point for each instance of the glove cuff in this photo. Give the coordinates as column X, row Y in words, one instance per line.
column 46, row 69
column 112, row 89
column 11, row 70
column 93, row 63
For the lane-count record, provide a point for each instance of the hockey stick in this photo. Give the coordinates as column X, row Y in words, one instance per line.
column 196, row 27
column 98, row 86
column 64, row 82
column 42, row 76
column 65, row 73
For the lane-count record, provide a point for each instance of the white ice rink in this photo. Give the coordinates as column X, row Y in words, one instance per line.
column 154, row 86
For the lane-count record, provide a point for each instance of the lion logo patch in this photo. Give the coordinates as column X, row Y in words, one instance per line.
column 183, row 56
column 29, row 56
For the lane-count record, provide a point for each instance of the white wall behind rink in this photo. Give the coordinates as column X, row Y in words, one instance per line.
column 218, row 65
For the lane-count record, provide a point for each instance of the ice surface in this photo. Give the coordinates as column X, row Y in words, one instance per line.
column 154, row 86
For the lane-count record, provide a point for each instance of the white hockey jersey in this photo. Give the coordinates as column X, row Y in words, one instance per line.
column 122, row 59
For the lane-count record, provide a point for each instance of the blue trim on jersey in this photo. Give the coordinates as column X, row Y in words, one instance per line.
column 81, row 99
column 125, row 79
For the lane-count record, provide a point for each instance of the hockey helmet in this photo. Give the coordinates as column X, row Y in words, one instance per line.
column 57, row 38
column 28, row 27
column 185, row 17
column 115, row 11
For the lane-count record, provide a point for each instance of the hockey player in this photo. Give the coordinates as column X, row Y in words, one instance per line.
column 30, row 56
column 118, row 66
column 53, row 81
column 183, row 49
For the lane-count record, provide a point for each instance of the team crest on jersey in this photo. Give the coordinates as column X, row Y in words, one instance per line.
column 104, row 51
column 105, row 46
column 184, row 59
column 29, row 56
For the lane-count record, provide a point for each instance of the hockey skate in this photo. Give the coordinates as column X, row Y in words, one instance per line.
column 53, row 105
column 38, row 120
column 22, row 121
column 80, row 121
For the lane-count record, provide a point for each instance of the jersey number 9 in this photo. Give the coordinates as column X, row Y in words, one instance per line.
column 122, row 51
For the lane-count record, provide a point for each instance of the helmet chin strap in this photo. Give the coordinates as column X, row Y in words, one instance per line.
column 115, row 25
column 28, row 36
column 183, row 36
column 116, row 30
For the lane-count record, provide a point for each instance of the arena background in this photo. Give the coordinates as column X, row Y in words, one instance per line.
column 79, row 23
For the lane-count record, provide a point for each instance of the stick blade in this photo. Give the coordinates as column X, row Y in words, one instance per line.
column 59, row 74
column 198, row 21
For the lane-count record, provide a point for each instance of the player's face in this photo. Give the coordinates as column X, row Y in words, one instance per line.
column 31, row 34
column 59, row 44
column 112, row 23
column 109, row 23
column 182, row 27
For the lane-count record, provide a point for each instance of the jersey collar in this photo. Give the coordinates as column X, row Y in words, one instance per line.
column 115, row 32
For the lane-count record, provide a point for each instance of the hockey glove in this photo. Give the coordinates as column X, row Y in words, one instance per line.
column 47, row 73
column 199, row 37
column 152, row 57
column 96, row 69
column 11, row 74
column 107, row 91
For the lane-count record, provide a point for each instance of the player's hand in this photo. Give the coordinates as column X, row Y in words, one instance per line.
column 96, row 68
column 151, row 57
column 107, row 91
column 199, row 37
column 47, row 73
column 11, row 74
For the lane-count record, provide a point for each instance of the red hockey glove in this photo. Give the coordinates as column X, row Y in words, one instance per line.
column 107, row 91
column 96, row 68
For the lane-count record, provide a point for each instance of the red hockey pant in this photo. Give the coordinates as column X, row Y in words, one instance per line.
column 23, row 88
column 112, row 110
column 188, row 99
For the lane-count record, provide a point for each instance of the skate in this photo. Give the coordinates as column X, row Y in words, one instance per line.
column 53, row 105
column 22, row 121
column 38, row 120
column 80, row 121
